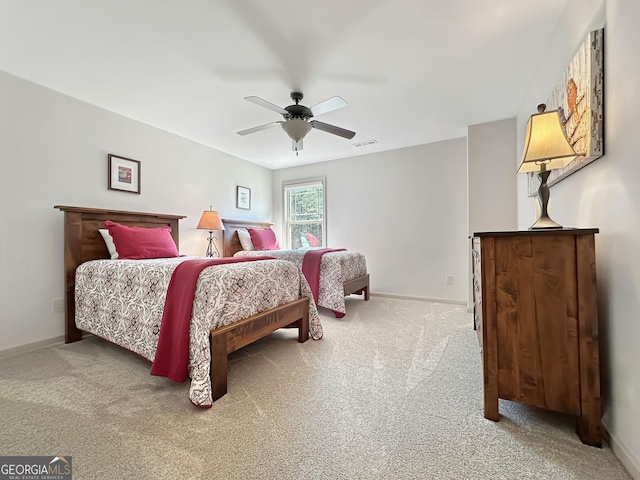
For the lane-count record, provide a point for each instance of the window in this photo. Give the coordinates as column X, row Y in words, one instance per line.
column 304, row 214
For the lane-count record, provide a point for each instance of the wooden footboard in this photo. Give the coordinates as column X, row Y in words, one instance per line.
column 358, row 286
column 229, row 338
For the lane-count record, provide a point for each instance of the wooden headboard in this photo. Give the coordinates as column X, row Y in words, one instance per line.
column 231, row 240
column 83, row 242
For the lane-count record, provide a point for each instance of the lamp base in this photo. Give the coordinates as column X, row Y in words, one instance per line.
column 212, row 250
column 545, row 223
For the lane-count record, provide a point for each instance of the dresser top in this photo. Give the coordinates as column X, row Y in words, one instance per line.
column 550, row 231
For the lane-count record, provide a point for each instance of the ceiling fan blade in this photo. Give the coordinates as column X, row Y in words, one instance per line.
column 264, row 103
column 325, row 127
column 257, row 129
column 329, row 105
column 296, row 146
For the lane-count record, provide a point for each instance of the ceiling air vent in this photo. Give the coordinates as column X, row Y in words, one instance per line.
column 362, row 144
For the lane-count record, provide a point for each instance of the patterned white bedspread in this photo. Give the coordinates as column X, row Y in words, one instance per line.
column 122, row 301
column 335, row 269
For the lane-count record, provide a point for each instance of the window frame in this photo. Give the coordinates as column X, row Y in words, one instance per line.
column 289, row 185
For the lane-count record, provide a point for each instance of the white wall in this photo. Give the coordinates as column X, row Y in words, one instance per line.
column 404, row 209
column 54, row 152
column 491, row 183
column 605, row 194
column 491, row 176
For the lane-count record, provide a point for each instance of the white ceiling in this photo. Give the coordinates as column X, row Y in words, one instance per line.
column 411, row 71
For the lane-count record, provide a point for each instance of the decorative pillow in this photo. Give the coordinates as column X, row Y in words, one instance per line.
column 304, row 241
column 313, row 240
column 245, row 239
column 108, row 241
column 263, row 239
column 137, row 243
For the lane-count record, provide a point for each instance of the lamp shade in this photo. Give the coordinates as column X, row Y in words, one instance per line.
column 545, row 143
column 210, row 220
column 296, row 128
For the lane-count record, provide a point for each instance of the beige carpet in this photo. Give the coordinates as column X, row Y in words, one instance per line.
column 393, row 391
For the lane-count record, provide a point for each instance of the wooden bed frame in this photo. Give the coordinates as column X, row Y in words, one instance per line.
column 83, row 242
column 231, row 245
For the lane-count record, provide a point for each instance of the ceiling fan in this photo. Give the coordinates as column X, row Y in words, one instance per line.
column 296, row 118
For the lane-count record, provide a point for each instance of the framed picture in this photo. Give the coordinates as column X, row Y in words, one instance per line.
column 578, row 97
column 124, row 174
column 243, row 198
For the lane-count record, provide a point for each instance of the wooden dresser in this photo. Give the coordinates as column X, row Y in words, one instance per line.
column 535, row 311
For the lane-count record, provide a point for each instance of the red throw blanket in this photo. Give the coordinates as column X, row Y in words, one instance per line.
column 172, row 354
column 311, row 268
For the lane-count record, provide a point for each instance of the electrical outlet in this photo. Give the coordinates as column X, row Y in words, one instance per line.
column 57, row 305
column 449, row 279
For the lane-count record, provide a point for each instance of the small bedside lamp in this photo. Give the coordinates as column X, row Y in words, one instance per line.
column 545, row 148
column 210, row 220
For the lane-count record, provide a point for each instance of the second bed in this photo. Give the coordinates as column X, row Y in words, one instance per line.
column 341, row 272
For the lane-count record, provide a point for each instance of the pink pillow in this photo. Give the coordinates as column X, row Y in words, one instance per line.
column 313, row 240
column 137, row 243
column 263, row 239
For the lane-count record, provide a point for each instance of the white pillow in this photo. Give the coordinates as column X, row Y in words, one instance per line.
column 108, row 241
column 245, row 239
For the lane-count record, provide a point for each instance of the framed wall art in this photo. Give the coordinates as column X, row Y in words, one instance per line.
column 579, row 98
column 124, row 174
column 243, row 198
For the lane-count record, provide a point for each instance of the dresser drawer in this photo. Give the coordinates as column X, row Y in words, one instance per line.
column 477, row 322
column 477, row 288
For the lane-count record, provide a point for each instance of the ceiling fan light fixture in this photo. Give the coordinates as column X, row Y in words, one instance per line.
column 296, row 128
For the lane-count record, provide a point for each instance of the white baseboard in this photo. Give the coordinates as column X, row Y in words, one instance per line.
column 31, row 346
column 423, row 299
column 626, row 458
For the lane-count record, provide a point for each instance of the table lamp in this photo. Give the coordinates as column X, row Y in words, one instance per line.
column 545, row 148
column 210, row 220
